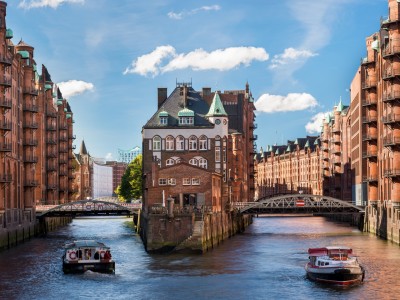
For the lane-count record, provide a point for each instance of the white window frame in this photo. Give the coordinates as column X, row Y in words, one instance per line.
column 169, row 143
column 180, row 143
column 164, row 120
column 156, row 143
column 170, row 162
column 193, row 143
column 195, row 181
column 162, row 181
column 203, row 143
column 171, row 181
column 217, row 154
column 202, row 162
column 194, row 162
column 186, row 181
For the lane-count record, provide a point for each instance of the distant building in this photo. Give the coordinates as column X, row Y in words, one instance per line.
column 119, row 169
column 102, row 180
column 127, row 156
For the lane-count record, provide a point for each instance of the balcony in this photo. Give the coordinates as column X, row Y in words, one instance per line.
column 5, row 147
column 390, row 73
column 369, row 137
column 337, row 161
column 336, row 139
column 369, row 84
column 368, row 101
column 391, row 173
column 5, row 178
column 365, row 61
column 31, row 91
column 51, row 167
column 5, row 81
column 31, row 125
column 391, row 118
column 63, row 149
column 51, row 154
column 51, row 186
column 31, row 159
column 31, row 183
column 62, row 160
column 30, row 142
column 336, row 151
column 72, row 137
column 370, row 154
column 51, row 141
column 390, row 141
column 6, row 60
column 253, row 138
column 370, row 178
column 51, row 127
column 253, row 126
column 390, row 49
column 336, row 130
column 5, row 125
column 31, row 108
column 391, row 96
column 63, row 173
column 5, row 103
column 63, row 126
column 369, row 119
column 51, row 114
column 73, row 147
column 63, row 139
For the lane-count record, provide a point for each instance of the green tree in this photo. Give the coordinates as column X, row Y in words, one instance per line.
column 131, row 181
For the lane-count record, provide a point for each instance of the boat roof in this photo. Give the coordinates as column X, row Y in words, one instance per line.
column 324, row 250
column 85, row 243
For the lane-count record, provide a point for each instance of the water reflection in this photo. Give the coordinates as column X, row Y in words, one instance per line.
column 265, row 262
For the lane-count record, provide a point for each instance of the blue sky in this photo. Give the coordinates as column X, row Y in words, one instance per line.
column 109, row 58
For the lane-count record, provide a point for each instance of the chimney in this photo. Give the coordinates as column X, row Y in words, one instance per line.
column 162, row 96
column 206, row 91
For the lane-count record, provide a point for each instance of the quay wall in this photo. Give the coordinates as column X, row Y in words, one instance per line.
column 383, row 220
column 14, row 235
column 190, row 232
column 353, row 219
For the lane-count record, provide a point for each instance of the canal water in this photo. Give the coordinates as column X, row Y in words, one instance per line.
column 265, row 262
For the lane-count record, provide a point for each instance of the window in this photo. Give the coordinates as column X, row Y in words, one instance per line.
column 180, row 143
column 203, row 143
column 169, row 143
column 162, row 181
column 156, row 143
column 203, row 163
column 195, row 181
column 186, row 181
column 185, row 120
column 171, row 181
column 217, row 154
column 193, row 143
column 170, row 162
column 163, row 121
column 193, row 162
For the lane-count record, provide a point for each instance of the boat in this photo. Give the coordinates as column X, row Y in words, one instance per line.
column 335, row 265
column 87, row 255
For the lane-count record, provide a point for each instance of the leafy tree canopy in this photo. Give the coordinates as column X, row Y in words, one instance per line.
column 131, row 182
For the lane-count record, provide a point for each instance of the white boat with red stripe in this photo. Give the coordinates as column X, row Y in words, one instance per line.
column 335, row 265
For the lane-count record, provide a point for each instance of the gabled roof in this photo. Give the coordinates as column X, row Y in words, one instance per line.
column 175, row 103
column 83, row 150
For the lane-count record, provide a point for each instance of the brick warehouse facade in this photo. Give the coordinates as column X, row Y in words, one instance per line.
column 360, row 144
column 36, row 140
column 197, row 151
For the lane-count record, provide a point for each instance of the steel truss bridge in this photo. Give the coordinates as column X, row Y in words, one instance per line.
column 298, row 204
column 88, row 208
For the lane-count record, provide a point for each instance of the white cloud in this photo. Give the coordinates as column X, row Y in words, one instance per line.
column 290, row 56
column 149, row 63
column 182, row 14
column 292, row 102
column 43, row 3
column 314, row 126
column 74, row 87
column 199, row 59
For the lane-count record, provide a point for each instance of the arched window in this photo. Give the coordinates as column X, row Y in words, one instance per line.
column 156, row 143
column 180, row 143
column 170, row 162
column 193, row 143
column 193, row 162
column 203, row 163
column 169, row 143
column 203, row 143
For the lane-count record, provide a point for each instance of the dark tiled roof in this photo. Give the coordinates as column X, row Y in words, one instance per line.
column 175, row 103
column 45, row 74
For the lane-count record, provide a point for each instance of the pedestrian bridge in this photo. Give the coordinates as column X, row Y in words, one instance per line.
column 298, row 204
column 88, row 208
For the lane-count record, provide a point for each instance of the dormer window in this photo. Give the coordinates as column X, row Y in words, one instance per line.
column 186, row 117
column 163, row 116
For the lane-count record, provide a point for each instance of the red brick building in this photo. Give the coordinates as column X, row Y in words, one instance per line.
column 36, row 136
column 210, row 134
